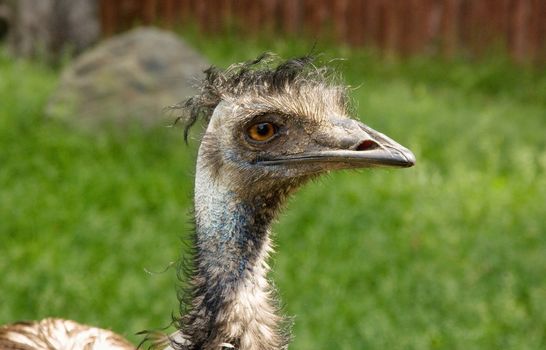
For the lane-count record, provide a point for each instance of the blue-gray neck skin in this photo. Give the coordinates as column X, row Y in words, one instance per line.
column 231, row 300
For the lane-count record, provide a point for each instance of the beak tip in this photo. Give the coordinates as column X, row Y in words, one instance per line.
column 410, row 158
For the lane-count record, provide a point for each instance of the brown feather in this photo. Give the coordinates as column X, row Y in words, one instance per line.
column 59, row 334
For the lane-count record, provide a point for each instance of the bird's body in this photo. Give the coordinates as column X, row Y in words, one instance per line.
column 269, row 130
column 59, row 334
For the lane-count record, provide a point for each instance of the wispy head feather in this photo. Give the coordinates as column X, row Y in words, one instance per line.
column 265, row 75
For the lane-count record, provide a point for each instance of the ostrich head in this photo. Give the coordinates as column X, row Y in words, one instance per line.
column 276, row 127
column 269, row 128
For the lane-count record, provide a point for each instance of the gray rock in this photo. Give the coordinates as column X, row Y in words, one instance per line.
column 128, row 79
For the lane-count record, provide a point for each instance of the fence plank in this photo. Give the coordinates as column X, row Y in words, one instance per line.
column 449, row 27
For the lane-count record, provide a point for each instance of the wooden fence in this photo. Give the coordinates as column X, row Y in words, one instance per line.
column 402, row 27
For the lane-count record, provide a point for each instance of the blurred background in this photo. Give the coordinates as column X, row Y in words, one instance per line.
column 96, row 190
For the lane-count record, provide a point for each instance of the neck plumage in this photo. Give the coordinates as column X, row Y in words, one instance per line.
column 231, row 303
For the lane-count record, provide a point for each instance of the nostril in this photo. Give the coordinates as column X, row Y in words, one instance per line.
column 367, row 145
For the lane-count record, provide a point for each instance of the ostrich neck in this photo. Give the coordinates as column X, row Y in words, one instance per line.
column 232, row 298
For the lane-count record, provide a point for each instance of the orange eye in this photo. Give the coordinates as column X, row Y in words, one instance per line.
column 262, row 131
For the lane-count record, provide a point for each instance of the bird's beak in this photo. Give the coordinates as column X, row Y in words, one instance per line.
column 351, row 144
column 358, row 145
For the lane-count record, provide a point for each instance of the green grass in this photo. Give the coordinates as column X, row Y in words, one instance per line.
column 450, row 254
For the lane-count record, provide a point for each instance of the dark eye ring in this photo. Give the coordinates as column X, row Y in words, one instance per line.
column 262, row 132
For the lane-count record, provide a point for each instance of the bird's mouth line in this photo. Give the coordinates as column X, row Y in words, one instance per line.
column 371, row 158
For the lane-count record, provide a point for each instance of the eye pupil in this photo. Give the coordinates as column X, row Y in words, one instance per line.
column 263, row 129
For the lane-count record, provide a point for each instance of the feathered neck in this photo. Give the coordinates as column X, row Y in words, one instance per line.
column 229, row 302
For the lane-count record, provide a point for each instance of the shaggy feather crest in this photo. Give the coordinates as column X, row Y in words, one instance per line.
column 265, row 76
